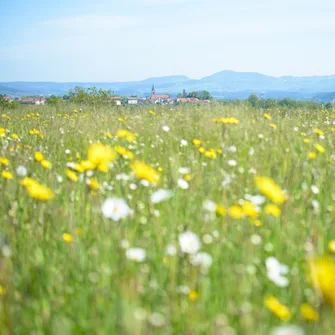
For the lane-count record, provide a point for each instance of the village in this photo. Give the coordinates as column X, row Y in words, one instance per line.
column 161, row 99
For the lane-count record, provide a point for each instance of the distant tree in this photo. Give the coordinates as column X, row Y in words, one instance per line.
column 253, row 100
column 89, row 96
column 268, row 103
column 329, row 105
column 184, row 93
column 202, row 95
column 54, row 100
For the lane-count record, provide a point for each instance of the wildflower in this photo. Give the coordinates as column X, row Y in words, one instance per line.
column 184, row 170
column 235, row 212
column 249, row 209
column 14, row 136
column 331, row 246
column 318, row 132
column 36, row 190
column 166, row 128
column 136, row 254
column 267, row 116
column 124, row 152
column 270, row 189
column 273, row 126
column 202, row 259
column 257, row 200
column 93, row 184
column 232, row 162
column 183, row 184
column 71, row 175
column 38, row 156
column 319, row 148
column 315, row 189
column 2, row 132
column 101, row 155
column 21, row 171
column 2, row 290
column 197, row 142
column 278, row 309
column 209, row 206
column 183, row 143
column 46, row 164
column 193, row 295
column 84, row 166
column 4, row 161
column 287, row 330
column 276, row 272
column 144, row 171
column 189, row 242
column 322, row 272
column 272, row 210
column 67, row 237
column 312, row 155
column 115, row 209
column 160, row 195
column 306, row 140
column 220, row 210
column 7, row 175
column 129, row 136
column 309, row 313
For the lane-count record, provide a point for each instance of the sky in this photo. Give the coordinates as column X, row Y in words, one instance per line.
column 128, row 40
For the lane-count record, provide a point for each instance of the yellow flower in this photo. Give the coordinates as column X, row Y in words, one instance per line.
column 108, row 135
column 306, row 140
column 272, row 210
column 71, row 175
column 7, row 175
column 201, row 150
column 2, row 132
column 36, row 190
column 235, row 212
column 309, row 313
column 124, row 152
column 144, row 171
column 228, row 120
column 319, row 148
column 4, row 161
column 267, row 116
column 93, row 184
column 318, row 132
column 249, row 209
column 197, row 142
column 46, row 164
column 220, row 210
column 272, row 125
column 270, row 189
column 84, row 166
column 322, row 272
column 14, row 136
column 67, row 237
column 38, row 156
column 193, row 295
column 2, row 290
column 129, row 136
column 101, row 154
column 312, row 155
column 188, row 177
column 331, row 246
column 278, row 309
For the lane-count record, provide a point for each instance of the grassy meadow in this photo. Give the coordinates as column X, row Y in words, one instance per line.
column 167, row 220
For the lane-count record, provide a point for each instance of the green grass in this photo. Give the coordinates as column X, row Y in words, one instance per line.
column 89, row 286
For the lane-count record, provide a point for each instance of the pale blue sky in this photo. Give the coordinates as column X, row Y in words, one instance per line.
column 114, row 40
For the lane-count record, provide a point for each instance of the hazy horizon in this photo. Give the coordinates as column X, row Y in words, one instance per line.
column 78, row 41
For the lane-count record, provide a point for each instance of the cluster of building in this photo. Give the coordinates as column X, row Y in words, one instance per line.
column 162, row 99
column 27, row 101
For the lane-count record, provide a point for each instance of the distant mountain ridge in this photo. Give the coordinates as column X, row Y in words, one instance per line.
column 225, row 84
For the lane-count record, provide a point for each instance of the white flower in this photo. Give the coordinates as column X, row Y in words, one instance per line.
column 209, row 206
column 145, row 183
column 296, row 129
column 183, row 184
column 189, row 242
column 160, row 195
column 315, row 189
column 183, row 143
column 115, row 209
column 287, row 330
column 257, row 200
column 166, row 128
column 122, row 176
column 202, row 259
column 125, row 244
column 171, row 250
column 157, row 319
column 21, row 171
column 226, row 181
column 276, row 272
column 67, row 151
column 60, row 179
column 232, row 148
column 232, row 162
column 136, row 254
column 71, row 165
column 184, row 170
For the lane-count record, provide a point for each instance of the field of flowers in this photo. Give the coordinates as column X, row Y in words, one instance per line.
column 168, row 220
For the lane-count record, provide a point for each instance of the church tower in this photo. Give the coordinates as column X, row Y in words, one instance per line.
column 153, row 92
